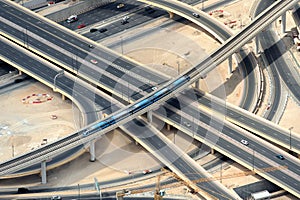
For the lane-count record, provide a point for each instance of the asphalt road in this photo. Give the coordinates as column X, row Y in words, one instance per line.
column 235, row 149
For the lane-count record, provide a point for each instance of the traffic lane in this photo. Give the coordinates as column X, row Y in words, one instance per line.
column 238, row 150
column 234, row 134
column 167, row 153
column 73, row 43
column 265, row 41
column 135, row 19
column 277, row 50
column 77, row 65
column 116, row 26
column 253, row 123
column 102, row 13
column 248, row 63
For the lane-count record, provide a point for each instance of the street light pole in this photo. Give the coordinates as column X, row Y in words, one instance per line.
column 291, row 137
column 78, row 192
column 61, row 72
column 178, row 67
column 253, row 158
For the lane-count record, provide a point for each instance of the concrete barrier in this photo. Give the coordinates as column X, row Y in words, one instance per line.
column 76, row 9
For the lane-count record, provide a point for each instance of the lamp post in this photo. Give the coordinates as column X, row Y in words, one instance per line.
column 253, row 159
column 291, row 137
column 178, row 67
column 61, row 72
column 78, row 191
column 122, row 45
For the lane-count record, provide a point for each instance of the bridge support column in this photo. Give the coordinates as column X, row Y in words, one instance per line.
column 256, row 45
column 168, row 127
column 212, row 151
column 120, row 195
column 63, row 97
column 20, row 72
column 92, row 151
column 43, row 172
column 171, row 15
column 149, row 116
column 197, row 84
column 283, row 23
column 229, row 64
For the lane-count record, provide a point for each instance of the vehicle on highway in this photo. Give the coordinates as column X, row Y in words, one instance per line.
column 94, row 61
column 91, row 46
column 124, row 22
column 280, row 157
column 195, row 14
column 125, row 18
column 147, row 171
column 154, row 88
column 81, row 26
column 72, row 18
column 187, row 124
column 244, row 142
column 55, row 198
column 92, row 30
column 149, row 10
column 102, row 30
column 121, row 5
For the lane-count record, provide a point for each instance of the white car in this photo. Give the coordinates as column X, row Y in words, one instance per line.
column 244, row 142
column 196, row 15
column 94, row 61
column 147, row 171
column 125, row 18
column 72, row 18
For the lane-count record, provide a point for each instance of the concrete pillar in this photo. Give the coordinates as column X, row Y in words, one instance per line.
column 229, row 64
column 43, row 172
column 197, row 84
column 63, row 97
column 171, row 15
column 92, row 151
column 20, row 72
column 283, row 23
column 119, row 195
column 257, row 45
column 212, row 151
column 149, row 116
column 168, row 127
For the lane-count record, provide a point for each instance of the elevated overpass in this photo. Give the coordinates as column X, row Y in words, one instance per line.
column 75, row 61
column 151, row 139
column 196, row 74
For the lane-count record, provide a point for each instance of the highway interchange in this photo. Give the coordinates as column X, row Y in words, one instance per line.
column 144, row 87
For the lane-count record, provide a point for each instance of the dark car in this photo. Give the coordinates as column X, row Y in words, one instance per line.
column 102, row 30
column 280, row 157
column 92, row 30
